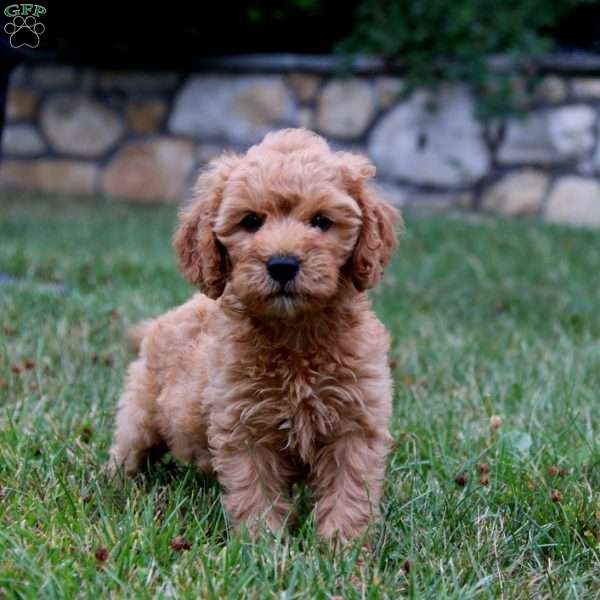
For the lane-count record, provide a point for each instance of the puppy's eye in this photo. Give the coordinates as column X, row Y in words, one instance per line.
column 251, row 222
column 323, row 223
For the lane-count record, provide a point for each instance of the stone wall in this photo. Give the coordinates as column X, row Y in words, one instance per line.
column 144, row 135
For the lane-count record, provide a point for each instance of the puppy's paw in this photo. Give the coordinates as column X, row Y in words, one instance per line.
column 117, row 467
column 111, row 468
column 339, row 532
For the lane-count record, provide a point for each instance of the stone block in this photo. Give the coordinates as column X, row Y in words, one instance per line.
column 22, row 139
column 150, row 170
column 79, row 125
column 516, row 194
column 49, row 175
column 549, row 136
column 439, row 145
column 146, row 116
column 345, row 108
column 305, row 86
column 21, row 103
column 240, row 110
column 574, row 201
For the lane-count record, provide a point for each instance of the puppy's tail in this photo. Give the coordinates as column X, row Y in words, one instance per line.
column 137, row 333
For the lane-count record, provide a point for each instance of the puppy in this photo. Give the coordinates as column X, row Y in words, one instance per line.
column 279, row 370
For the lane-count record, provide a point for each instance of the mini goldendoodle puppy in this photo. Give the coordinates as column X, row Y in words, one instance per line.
column 279, row 370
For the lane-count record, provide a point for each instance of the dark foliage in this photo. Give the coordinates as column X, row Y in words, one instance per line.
column 435, row 41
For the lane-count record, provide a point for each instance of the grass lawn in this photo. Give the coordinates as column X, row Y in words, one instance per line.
column 489, row 319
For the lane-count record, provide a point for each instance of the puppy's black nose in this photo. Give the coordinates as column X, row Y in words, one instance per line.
column 283, row 268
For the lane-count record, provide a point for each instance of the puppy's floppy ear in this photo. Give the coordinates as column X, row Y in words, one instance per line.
column 380, row 223
column 202, row 258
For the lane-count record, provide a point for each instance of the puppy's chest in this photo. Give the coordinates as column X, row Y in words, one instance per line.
column 299, row 402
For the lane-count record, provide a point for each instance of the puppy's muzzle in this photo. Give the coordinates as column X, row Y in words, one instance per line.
column 283, row 268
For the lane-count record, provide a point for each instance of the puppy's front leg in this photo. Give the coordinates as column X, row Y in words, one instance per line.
column 347, row 480
column 136, row 434
column 256, row 481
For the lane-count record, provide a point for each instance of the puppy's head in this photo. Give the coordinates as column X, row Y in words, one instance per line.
column 284, row 225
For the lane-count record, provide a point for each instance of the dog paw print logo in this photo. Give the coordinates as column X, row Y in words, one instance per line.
column 24, row 29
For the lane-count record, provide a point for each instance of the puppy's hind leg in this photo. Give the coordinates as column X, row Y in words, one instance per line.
column 136, row 435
